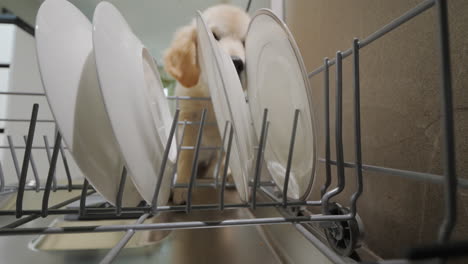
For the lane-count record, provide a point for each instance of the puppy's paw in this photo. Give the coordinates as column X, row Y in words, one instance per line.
column 179, row 196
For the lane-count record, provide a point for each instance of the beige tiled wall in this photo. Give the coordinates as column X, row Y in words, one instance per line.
column 400, row 110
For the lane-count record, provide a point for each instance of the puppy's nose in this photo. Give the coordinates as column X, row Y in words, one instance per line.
column 238, row 63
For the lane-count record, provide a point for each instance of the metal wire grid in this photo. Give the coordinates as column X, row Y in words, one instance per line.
column 449, row 178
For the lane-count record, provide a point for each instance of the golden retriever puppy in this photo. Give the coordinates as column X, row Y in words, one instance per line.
column 229, row 26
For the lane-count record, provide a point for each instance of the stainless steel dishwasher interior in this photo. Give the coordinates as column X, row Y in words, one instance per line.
column 242, row 244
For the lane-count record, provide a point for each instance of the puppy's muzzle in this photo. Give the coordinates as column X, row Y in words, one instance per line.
column 238, row 63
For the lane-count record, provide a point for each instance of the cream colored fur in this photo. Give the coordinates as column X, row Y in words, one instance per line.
column 229, row 24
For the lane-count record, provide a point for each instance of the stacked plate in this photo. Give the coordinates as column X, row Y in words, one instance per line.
column 277, row 81
column 105, row 93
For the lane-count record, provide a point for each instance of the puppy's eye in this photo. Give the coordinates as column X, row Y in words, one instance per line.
column 215, row 36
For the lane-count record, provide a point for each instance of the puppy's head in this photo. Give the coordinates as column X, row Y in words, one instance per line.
column 227, row 23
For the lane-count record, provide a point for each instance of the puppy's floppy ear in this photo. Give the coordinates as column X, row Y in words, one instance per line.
column 180, row 59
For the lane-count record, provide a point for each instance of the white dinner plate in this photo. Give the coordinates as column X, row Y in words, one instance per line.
column 134, row 99
column 68, row 71
column 229, row 105
column 277, row 80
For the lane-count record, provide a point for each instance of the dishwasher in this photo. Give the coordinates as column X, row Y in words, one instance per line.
column 65, row 221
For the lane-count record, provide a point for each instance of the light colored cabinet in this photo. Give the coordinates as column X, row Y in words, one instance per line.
column 20, row 73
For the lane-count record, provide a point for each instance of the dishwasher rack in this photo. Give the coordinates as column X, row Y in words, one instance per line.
column 334, row 218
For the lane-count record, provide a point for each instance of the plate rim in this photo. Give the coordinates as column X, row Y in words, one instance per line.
column 67, row 4
column 38, row 59
column 295, row 48
column 105, row 6
column 217, row 64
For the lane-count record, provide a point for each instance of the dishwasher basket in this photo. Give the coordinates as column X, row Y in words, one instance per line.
column 341, row 225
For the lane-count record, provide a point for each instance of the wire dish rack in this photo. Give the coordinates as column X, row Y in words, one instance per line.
column 341, row 225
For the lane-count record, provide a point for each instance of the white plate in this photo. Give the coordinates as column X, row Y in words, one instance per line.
column 277, row 80
column 229, row 105
column 66, row 62
column 134, row 99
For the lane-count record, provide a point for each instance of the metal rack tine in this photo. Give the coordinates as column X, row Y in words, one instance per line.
column 67, row 169
column 165, row 208
column 338, row 135
column 179, row 148
column 173, row 225
column 290, row 157
column 357, row 126
column 118, row 200
column 33, row 167
column 443, row 248
column 27, row 120
column 22, row 93
column 226, row 166
column 178, row 98
column 23, row 147
column 21, row 221
column 50, row 176
column 162, row 169
column 34, row 216
column 179, row 144
column 326, row 95
column 84, row 194
column 2, row 178
column 47, row 149
column 220, row 155
column 26, row 158
column 195, row 161
column 13, row 156
column 449, row 157
column 259, row 160
column 112, row 254
column 419, row 9
column 413, row 175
